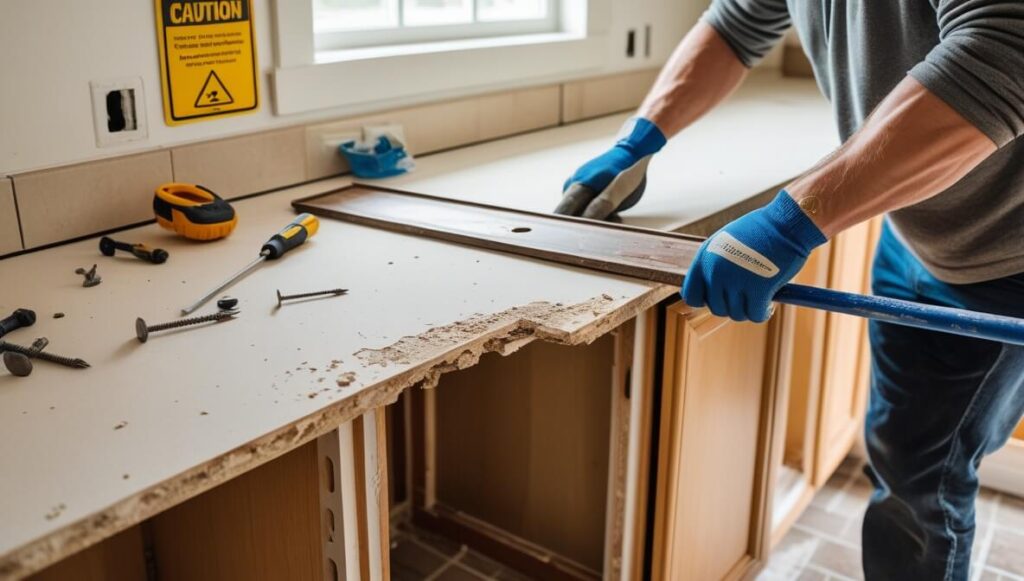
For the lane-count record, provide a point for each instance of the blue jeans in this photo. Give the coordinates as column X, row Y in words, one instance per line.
column 939, row 403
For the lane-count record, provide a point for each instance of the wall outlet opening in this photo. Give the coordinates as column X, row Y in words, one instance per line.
column 119, row 111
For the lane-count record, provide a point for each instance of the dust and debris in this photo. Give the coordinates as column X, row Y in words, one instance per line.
column 529, row 319
column 120, row 425
column 346, row 379
column 204, row 413
column 125, row 477
column 58, row 315
column 56, row 511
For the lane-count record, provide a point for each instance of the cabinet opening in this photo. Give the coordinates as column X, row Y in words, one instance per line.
column 510, row 461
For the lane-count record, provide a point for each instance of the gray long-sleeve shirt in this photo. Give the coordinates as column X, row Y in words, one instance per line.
column 969, row 53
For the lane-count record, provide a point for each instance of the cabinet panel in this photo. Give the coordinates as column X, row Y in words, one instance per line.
column 119, row 558
column 714, row 434
column 262, row 526
column 845, row 373
column 1019, row 432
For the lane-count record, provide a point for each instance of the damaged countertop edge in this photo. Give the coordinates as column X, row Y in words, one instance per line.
column 504, row 339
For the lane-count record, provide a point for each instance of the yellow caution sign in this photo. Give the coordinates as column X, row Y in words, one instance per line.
column 207, row 58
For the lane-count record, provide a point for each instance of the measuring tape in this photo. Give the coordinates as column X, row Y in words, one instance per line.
column 193, row 211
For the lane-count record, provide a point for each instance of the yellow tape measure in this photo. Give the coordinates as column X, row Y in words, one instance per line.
column 193, row 211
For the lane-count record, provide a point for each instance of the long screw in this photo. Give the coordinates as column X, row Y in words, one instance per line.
column 44, row 356
column 142, row 330
column 334, row 291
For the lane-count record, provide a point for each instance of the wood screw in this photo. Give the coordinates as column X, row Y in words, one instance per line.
column 142, row 330
column 35, row 352
column 334, row 291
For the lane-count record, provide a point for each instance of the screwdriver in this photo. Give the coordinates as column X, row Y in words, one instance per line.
column 293, row 235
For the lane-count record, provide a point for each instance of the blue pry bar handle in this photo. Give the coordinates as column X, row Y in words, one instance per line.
column 908, row 313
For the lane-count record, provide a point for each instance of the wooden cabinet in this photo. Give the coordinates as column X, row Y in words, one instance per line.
column 717, row 413
column 844, row 381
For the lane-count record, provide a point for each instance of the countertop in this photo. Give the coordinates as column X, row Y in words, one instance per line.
column 87, row 453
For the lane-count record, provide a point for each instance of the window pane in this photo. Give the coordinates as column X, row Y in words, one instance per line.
column 512, row 9
column 427, row 12
column 354, row 14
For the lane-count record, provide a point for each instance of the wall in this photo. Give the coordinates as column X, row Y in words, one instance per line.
column 53, row 49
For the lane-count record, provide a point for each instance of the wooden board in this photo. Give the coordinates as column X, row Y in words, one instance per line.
column 612, row 248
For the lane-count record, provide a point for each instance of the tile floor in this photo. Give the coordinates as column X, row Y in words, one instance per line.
column 824, row 545
column 417, row 555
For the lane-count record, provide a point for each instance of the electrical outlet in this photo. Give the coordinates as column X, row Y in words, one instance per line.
column 119, row 111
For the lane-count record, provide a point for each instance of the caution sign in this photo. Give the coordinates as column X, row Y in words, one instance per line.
column 207, row 58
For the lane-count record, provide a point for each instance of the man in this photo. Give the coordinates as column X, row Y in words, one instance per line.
column 929, row 99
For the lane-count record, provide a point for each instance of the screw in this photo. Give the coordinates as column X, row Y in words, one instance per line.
column 334, row 291
column 31, row 352
column 19, row 364
column 142, row 330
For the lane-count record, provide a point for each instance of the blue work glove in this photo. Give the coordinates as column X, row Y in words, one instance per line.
column 737, row 272
column 614, row 180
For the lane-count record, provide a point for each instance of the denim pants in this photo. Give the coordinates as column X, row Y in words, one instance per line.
column 939, row 403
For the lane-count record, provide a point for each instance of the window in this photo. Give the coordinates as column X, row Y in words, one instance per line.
column 341, row 24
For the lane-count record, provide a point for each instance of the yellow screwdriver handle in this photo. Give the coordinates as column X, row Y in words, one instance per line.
column 302, row 228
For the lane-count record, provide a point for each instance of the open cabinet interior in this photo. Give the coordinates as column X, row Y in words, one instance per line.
column 521, row 457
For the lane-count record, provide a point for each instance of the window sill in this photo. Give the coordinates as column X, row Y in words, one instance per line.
column 437, row 47
column 354, row 80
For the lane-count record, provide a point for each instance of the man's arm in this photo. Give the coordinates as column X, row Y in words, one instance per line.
column 700, row 74
column 958, row 106
column 708, row 65
column 913, row 147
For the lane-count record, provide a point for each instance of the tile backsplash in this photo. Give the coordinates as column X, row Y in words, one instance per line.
column 49, row 206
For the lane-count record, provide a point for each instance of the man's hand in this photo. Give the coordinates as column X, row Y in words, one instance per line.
column 737, row 272
column 614, row 180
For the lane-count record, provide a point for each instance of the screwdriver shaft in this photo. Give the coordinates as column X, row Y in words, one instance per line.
column 230, row 281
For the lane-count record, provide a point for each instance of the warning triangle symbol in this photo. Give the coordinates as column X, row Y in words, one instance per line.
column 213, row 93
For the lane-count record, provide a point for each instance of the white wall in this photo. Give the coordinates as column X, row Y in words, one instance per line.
column 51, row 49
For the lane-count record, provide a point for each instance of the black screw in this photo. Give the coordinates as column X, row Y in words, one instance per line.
column 334, row 291
column 142, row 330
column 43, row 356
column 155, row 255
column 18, row 319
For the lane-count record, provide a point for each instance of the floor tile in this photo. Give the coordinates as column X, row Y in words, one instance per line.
column 1007, row 552
column 478, row 562
column 1011, row 512
column 811, row 575
column 839, row 558
column 456, row 573
column 440, row 544
column 790, row 555
column 820, row 520
column 410, row 556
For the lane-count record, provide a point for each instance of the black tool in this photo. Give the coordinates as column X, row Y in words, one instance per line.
column 155, row 255
column 18, row 319
column 227, row 303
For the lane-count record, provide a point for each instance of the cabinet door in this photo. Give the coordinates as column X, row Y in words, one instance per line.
column 717, row 412
column 845, row 374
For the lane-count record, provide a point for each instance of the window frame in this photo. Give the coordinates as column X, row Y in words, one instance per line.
column 332, row 40
column 353, row 81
